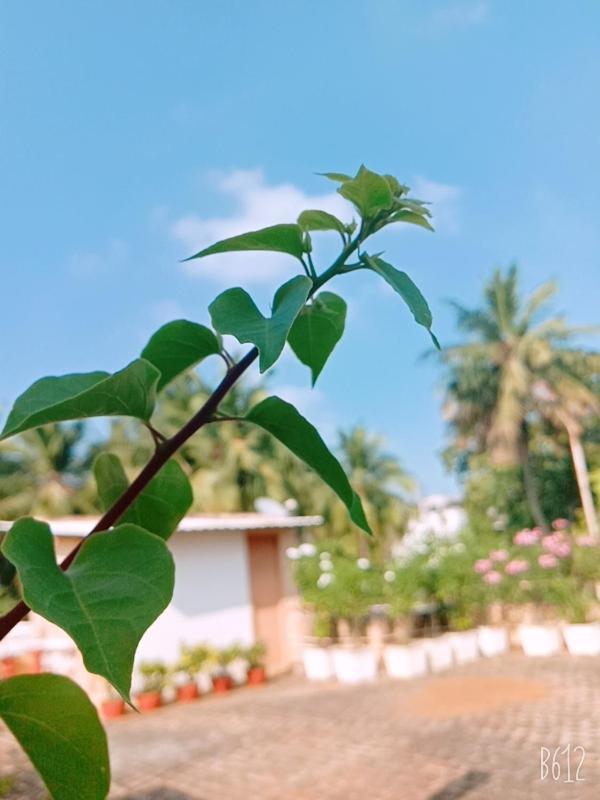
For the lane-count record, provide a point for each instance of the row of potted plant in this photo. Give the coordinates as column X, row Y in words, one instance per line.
column 199, row 670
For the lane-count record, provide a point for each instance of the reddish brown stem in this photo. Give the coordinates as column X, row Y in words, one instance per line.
column 162, row 454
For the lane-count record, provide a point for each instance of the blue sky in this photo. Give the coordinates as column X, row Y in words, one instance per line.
column 131, row 131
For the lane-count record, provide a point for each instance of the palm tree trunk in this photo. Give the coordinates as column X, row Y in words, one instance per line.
column 583, row 481
column 530, row 483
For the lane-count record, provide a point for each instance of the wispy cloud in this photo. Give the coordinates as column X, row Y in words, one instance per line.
column 84, row 264
column 257, row 204
column 445, row 203
column 459, row 14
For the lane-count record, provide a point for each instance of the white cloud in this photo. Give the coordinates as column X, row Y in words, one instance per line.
column 444, row 199
column 257, row 205
column 89, row 264
column 459, row 14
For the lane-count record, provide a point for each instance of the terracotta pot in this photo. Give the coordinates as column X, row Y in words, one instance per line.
column 148, row 701
column 9, row 667
column 110, row 709
column 256, row 676
column 187, row 692
column 221, row 684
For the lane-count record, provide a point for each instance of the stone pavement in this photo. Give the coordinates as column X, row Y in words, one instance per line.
column 472, row 733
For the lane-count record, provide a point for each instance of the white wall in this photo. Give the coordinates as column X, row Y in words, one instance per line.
column 211, row 602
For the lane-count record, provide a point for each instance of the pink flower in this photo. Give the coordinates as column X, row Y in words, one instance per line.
column 526, row 538
column 499, row 555
column 560, row 524
column 557, row 544
column 482, row 565
column 547, row 561
column 562, row 550
column 492, row 577
column 516, row 567
column 587, row 541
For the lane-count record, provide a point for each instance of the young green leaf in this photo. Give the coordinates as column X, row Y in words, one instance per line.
column 285, row 238
column 398, row 189
column 58, row 727
column 235, row 312
column 411, row 218
column 369, row 192
column 408, row 291
column 313, row 220
column 317, row 330
column 177, row 346
column 162, row 504
column 131, row 392
column 118, row 584
column 285, row 423
column 337, row 177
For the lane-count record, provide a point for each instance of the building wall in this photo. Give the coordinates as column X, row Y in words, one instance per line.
column 212, row 601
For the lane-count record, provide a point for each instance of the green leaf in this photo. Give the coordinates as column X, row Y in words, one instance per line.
column 337, row 177
column 412, row 218
column 177, row 346
column 317, row 330
column 58, row 727
column 397, row 188
column 369, row 192
column 313, row 220
column 118, row 584
column 159, row 508
column 285, row 423
column 235, row 312
column 408, row 291
column 131, row 392
column 285, row 238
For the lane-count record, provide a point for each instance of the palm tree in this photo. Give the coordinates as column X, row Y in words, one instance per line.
column 42, row 471
column 491, row 398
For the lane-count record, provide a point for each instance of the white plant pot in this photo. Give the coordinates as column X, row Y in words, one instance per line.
column 492, row 641
column 238, row 671
column 582, row 640
column 539, row 640
column 464, row 646
column 403, row 661
column 355, row 664
column 318, row 663
column 439, row 653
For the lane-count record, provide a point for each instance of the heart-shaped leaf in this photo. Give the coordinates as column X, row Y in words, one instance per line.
column 131, row 392
column 58, row 727
column 369, row 192
column 162, row 504
column 408, row 291
column 177, row 346
column 313, row 220
column 285, row 423
column 117, row 586
column 317, row 330
column 235, row 312
column 285, row 238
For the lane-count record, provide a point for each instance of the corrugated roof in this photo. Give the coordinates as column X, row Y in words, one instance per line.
column 78, row 526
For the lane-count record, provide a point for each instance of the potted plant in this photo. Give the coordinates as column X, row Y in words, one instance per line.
column 255, row 657
column 316, row 652
column 492, row 640
column 154, row 676
column 402, row 657
column 191, row 661
column 113, row 704
column 221, row 678
column 582, row 637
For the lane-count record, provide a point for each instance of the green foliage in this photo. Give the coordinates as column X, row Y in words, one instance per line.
column 177, row 346
column 155, row 676
column 130, row 392
column 121, row 580
column 404, row 286
column 58, row 727
column 117, row 586
column 284, row 422
column 159, row 508
column 194, row 658
column 235, row 312
column 279, row 238
column 255, row 655
column 317, row 330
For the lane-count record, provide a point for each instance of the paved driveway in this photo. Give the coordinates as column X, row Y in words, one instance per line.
column 474, row 733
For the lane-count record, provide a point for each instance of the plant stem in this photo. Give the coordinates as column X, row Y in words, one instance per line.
column 168, row 447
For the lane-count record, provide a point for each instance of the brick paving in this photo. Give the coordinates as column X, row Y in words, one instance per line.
column 473, row 733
